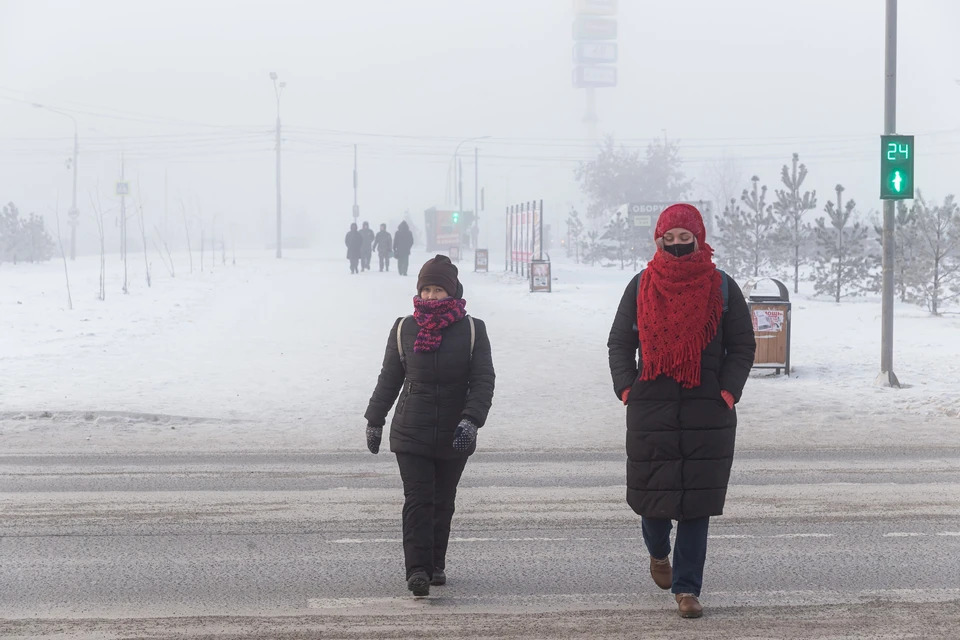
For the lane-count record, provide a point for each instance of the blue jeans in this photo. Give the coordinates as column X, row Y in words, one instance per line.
column 689, row 553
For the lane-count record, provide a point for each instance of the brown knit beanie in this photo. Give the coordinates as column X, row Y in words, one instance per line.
column 439, row 272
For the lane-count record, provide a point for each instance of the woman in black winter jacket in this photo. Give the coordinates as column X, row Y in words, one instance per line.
column 440, row 364
column 692, row 328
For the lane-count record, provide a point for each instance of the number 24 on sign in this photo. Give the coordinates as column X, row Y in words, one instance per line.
column 893, row 149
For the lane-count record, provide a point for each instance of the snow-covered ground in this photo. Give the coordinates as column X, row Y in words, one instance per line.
column 273, row 355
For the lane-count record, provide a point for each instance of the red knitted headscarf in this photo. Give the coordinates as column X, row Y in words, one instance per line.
column 679, row 303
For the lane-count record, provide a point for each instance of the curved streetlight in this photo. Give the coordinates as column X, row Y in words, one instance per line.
column 278, row 89
column 74, row 213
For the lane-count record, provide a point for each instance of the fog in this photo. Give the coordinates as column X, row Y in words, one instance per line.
column 183, row 90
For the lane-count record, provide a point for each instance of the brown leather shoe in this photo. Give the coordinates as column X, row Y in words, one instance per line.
column 661, row 572
column 689, row 605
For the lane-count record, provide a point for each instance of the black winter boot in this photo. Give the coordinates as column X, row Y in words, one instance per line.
column 439, row 578
column 419, row 584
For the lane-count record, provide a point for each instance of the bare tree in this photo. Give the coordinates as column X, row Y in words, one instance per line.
column 223, row 249
column 103, row 246
column 203, row 239
column 143, row 233
column 186, row 226
column 722, row 179
column 213, row 243
column 168, row 259
column 66, row 273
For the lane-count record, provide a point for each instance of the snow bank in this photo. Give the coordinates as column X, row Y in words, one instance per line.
column 284, row 354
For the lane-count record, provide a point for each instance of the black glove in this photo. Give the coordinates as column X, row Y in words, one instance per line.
column 464, row 436
column 374, row 436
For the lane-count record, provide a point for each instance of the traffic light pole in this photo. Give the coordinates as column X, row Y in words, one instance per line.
column 887, row 377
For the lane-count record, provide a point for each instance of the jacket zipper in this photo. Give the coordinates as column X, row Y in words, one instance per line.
column 436, row 404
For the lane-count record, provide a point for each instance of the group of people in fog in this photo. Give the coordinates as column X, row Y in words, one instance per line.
column 680, row 351
column 361, row 243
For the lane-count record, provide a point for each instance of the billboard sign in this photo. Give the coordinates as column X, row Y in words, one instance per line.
column 595, row 52
column 595, row 7
column 594, row 29
column 594, row 77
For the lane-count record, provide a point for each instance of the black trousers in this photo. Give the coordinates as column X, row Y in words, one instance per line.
column 430, row 490
column 403, row 263
column 365, row 255
column 353, row 265
column 384, row 261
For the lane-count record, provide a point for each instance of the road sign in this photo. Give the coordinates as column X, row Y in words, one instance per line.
column 123, row 188
column 594, row 77
column 896, row 167
column 595, row 7
column 642, row 216
column 595, row 52
column 594, row 29
column 356, row 211
column 73, row 214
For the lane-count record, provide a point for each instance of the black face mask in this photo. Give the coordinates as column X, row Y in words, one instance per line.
column 680, row 250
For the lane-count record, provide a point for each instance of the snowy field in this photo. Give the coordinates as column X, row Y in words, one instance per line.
column 283, row 355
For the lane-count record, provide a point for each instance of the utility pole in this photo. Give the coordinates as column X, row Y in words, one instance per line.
column 74, row 213
column 123, row 225
column 460, row 183
column 476, row 196
column 887, row 377
column 356, row 207
column 278, row 89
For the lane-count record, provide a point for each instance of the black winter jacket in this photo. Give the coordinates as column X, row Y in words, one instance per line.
column 354, row 242
column 402, row 241
column 384, row 243
column 437, row 389
column 680, row 442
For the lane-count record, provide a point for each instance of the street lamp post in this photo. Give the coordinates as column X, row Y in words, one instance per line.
column 278, row 89
column 74, row 213
column 459, row 169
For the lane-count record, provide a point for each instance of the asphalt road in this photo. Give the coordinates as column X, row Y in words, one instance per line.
column 828, row 544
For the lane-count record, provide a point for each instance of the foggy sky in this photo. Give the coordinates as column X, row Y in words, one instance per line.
column 183, row 88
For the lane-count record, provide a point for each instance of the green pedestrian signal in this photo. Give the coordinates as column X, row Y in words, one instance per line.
column 456, row 217
column 896, row 167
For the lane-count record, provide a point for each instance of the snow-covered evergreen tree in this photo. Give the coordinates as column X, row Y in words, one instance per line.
column 936, row 279
column 24, row 240
column 792, row 232
column 617, row 235
column 574, row 231
column 906, row 244
column 746, row 233
column 843, row 265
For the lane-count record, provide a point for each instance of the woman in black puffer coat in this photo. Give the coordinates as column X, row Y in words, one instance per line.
column 692, row 327
column 440, row 364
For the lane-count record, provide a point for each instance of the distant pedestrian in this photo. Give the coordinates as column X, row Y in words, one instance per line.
column 692, row 328
column 402, row 246
column 384, row 246
column 366, row 249
column 354, row 242
column 439, row 361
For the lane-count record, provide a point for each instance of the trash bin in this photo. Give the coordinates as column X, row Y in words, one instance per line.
column 771, row 317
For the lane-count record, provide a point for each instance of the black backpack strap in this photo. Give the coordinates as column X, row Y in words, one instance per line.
column 403, row 357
